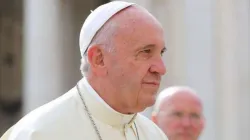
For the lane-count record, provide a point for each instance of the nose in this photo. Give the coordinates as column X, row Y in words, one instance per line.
column 186, row 121
column 158, row 66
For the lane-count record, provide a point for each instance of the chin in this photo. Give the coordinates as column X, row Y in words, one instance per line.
column 149, row 102
column 142, row 107
column 152, row 100
column 144, row 103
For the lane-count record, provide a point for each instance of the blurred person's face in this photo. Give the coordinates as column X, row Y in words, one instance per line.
column 181, row 118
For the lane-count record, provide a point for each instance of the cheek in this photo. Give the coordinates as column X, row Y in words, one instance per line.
column 198, row 129
column 169, row 126
column 173, row 125
column 139, row 67
column 129, row 75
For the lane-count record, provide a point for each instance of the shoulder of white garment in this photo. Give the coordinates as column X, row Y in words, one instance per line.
column 6, row 134
column 50, row 121
column 150, row 128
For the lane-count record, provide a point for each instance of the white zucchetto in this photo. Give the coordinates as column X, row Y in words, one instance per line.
column 96, row 20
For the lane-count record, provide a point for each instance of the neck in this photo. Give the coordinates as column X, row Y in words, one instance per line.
column 108, row 94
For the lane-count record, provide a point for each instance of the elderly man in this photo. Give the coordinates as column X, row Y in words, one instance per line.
column 121, row 46
column 178, row 112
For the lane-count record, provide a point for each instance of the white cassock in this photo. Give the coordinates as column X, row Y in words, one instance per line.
column 66, row 119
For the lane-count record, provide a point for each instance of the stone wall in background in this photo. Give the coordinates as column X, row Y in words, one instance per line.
column 10, row 62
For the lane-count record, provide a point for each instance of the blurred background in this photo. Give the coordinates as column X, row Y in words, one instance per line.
column 208, row 44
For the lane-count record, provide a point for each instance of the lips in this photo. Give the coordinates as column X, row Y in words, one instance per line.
column 154, row 83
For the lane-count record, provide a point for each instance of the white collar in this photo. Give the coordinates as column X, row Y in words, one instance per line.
column 100, row 109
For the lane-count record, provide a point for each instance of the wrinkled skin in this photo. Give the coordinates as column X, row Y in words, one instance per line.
column 129, row 77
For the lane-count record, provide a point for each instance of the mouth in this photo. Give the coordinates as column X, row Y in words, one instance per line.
column 187, row 135
column 153, row 83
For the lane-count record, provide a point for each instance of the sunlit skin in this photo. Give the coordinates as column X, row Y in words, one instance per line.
column 129, row 76
column 180, row 116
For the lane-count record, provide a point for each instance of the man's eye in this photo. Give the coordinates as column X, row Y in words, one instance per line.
column 162, row 52
column 195, row 116
column 146, row 51
column 177, row 114
column 144, row 54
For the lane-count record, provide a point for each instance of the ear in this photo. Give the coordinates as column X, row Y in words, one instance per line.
column 153, row 118
column 96, row 60
column 203, row 122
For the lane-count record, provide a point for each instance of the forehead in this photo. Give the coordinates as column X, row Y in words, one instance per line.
column 136, row 27
column 183, row 101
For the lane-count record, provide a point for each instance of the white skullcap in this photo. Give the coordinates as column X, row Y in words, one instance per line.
column 96, row 20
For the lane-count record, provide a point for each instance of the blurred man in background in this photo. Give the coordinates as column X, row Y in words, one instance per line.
column 179, row 113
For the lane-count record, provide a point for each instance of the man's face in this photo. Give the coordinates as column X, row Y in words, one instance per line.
column 181, row 117
column 136, row 66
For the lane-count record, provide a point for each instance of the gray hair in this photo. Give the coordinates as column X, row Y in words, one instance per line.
column 104, row 37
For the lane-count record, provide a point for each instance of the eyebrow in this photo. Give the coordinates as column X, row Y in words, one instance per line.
column 151, row 46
